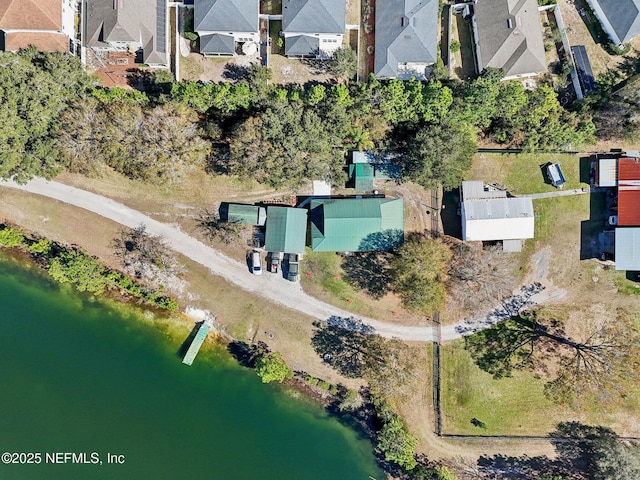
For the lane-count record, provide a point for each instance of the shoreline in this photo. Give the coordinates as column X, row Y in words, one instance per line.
column 360, row 420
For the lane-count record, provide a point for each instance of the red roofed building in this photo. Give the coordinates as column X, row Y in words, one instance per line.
column 46, row 24
column 629, row 192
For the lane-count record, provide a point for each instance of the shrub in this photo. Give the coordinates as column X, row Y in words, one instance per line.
column 324, row 385
column 313, row 381
column 272, row 367
column 41, row 248
column 455, row 46
column 11, row 237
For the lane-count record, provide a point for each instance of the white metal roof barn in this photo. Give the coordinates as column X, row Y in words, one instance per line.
column 487, row 218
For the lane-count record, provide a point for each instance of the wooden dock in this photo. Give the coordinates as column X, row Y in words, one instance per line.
column 196, row 344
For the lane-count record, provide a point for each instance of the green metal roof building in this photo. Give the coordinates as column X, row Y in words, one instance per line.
column 356, row 224
column 362, row 175
column 286, row 229
column 245, row 214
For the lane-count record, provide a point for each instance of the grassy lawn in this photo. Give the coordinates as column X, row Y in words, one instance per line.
column 521, row 174
column 566, row 231
column 516, row 405
column 322, row 276
column 625, row 286
column 512, row 406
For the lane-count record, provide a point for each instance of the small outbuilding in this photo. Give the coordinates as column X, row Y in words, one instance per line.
column 555, row 175
column 361, row 175
column 629, row 192
column 627, row 250
column 243, row 214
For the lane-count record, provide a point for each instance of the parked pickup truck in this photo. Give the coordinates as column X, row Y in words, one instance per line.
column 293, row 272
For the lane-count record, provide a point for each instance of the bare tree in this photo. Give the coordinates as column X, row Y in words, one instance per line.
column 216, row 229
column 599, row 362
column 478, row 278
column 146, row 257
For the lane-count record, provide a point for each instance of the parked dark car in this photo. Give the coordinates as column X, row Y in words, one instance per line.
column 293, row 272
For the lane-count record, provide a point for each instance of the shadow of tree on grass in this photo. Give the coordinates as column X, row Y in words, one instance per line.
column 369, row 271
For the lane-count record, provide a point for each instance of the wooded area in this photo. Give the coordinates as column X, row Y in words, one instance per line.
column 56, row 117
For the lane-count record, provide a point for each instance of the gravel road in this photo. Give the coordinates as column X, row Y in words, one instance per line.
column 272, row 287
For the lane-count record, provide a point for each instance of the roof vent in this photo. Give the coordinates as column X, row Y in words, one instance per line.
column 404, row 21
column 510, row 23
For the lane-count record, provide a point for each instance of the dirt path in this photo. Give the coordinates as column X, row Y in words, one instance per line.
column 272, row 287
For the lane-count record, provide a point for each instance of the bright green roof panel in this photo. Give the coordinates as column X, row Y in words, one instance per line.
column 363, row 176
column 247, row 214
column 286, row 229
column 356, row 224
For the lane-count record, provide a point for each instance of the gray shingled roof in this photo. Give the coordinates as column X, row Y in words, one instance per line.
column 510, row 36
column 406, row 31
column 132, row 21
column 314, row 16
column 218, row 44
column 226, row 16
column 302, row 45
column 620, row 18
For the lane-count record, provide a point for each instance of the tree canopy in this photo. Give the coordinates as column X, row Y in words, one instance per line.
column 55, row 117
column 272, row 367
column 35, row 87
column 419, row 271
column 598, row 364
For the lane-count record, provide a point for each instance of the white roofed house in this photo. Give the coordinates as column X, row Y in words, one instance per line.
column 313, row 28
column 489, row 215
column 224, row 25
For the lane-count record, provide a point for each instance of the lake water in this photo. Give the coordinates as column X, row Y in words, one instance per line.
column 85, row 377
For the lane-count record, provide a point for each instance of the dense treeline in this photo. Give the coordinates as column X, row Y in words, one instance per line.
column 57, row 117
column 35, row 88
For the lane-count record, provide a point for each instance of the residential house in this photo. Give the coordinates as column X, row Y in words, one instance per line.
column 136, row 26
column 313, row 28
column 508, row 35
column 356, row 224
column 226, row 26
column 48, row 25
column 286, row 229
column 406, row 38
column 620, row 19
column 488, row 215
column 621, row 170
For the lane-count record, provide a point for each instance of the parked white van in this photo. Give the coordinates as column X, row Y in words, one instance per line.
column 256, row 263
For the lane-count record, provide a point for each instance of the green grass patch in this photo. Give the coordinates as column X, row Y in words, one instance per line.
column 476, row 404
column 322, row 276
column 625, row 286
column 521, row 173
